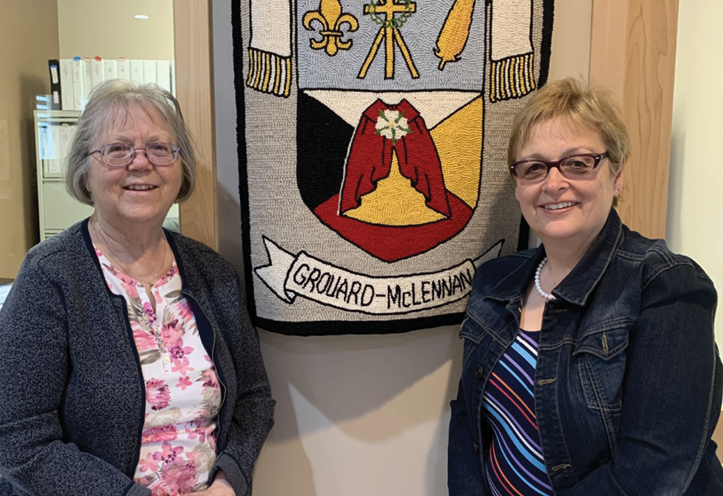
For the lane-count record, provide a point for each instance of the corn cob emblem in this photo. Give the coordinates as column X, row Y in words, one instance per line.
column 454, row 33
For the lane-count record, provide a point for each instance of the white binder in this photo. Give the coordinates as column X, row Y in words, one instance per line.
column 110, row 69
column 97, row 71
column 163, row 74
column 137, row 71
column 87, row 80
column 124, row 69
column 77, row 64
column 66, row 84
column 149, row 72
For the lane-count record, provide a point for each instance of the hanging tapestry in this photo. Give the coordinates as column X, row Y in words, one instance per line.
column 372, row 141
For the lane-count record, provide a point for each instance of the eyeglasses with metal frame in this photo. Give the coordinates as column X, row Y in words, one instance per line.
column 122, row 154
column 571, row 167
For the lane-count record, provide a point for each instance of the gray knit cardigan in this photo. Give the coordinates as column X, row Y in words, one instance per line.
column 72, row 396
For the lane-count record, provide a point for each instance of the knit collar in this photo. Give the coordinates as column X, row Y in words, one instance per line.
column 85, row 232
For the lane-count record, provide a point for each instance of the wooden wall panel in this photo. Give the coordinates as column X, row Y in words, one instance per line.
column 718, row 437
column 192, row 34
column 633, row 53
column 607, row 46
column 28, row 37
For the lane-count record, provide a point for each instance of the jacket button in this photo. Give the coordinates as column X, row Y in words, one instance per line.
column 480, row 372
column 476, row 447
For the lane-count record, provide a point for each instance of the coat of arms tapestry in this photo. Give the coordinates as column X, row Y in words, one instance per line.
column 372, row 142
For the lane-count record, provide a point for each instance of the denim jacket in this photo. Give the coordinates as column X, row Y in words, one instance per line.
column 628, row 380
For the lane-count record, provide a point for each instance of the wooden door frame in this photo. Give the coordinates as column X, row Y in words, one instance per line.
column 633, row 53
column 193, row 46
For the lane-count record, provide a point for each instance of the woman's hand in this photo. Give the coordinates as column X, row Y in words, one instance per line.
column 220, row 487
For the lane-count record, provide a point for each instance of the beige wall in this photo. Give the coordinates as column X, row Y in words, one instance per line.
column 107, row 28
column 695, row 214
column 28, row 37
column 357, row 415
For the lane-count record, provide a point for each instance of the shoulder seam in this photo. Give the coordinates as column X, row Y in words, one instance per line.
column 670, row 263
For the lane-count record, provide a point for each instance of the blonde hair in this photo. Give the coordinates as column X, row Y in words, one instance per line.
column 592, row 107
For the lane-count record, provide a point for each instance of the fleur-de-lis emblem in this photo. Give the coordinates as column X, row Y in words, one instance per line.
column 331, row 19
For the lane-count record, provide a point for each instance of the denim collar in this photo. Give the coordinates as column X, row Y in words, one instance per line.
column 579, row 284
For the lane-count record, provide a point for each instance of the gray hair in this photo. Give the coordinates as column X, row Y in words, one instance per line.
column 110, row 103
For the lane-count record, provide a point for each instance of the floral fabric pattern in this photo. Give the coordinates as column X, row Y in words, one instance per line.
column 183, row 395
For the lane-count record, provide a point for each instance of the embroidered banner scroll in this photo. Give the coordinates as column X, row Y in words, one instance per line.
column 372, row 138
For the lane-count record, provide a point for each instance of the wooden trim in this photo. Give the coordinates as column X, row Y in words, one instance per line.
column 633, row 53
column 718, row 437
column 607, row 45
column 192, row 32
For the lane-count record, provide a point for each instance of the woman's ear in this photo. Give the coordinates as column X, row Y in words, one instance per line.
column 618, row 181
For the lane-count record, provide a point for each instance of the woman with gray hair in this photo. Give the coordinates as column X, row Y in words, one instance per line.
column 128, row 364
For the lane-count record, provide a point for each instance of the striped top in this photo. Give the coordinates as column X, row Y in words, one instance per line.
column 514, row 464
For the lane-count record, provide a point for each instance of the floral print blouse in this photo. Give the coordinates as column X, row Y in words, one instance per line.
column 183, row 396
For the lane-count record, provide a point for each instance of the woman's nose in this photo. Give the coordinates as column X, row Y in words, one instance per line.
column 554, row 180
column 140, row 160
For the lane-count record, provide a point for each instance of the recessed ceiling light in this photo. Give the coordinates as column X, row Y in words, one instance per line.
column 140, row 16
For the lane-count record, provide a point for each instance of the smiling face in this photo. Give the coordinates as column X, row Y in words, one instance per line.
column 139, row 193
column 560, row 210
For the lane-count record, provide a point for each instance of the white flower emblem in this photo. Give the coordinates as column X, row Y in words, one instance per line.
column 392, row 125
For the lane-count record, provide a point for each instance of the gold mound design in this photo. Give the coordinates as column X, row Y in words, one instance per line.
column 459, row 144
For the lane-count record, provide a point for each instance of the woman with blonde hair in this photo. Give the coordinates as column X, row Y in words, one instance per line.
column 590, row 366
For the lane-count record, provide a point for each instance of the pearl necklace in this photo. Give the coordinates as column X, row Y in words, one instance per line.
column 538, row 287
